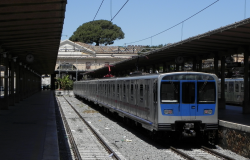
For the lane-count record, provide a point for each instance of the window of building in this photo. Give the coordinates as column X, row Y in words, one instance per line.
column 88, row 65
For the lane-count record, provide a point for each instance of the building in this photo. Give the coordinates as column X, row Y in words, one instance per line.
column 76, row 58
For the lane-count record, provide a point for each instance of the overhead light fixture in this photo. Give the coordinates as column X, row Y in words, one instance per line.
column 14, row 59
column 4, row 54
column 20, row 63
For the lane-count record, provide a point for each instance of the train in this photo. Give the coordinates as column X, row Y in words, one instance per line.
column 234, row 90
column 168, row 104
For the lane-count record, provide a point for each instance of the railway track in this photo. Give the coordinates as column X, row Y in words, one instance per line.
column 137, row 148
column 203, row 153
column 86, row 143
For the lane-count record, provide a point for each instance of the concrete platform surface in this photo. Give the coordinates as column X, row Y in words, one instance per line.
column 28, row 130
column 232, row 117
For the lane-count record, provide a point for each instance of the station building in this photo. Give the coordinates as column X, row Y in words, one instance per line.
column 76, row 58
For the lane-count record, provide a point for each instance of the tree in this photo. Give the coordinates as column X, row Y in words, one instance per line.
column 99, row 31
column 65, row 83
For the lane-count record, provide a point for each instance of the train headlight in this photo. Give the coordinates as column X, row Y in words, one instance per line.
column 168, row 111
column 208, row 111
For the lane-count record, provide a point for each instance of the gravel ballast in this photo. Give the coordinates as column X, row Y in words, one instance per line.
column 130, row 144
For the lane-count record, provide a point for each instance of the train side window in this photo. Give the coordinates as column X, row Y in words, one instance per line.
column 120, row 91
column 105, row 89
column 117, row 90
column 231, row 86
column 132, row 91
column 242, row 87
column 141, row 92
column 124, row 91
column 225, row 87
column 155, row 91
column 113, row 90
column 236, row 87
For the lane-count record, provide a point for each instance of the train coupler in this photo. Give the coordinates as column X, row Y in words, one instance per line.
column 188, row 130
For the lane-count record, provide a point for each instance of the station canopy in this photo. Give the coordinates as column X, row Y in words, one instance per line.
column 222, row 41
column 32, row 27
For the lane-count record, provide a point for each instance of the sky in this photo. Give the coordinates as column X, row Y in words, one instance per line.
column 141, row 19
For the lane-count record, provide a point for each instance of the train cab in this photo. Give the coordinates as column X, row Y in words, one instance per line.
column 189, row 101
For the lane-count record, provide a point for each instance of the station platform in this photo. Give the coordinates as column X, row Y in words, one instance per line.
column 232, row 117
column 28, row 130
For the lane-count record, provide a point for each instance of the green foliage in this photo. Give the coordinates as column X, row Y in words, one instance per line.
column 65, row 83
column 99, row 31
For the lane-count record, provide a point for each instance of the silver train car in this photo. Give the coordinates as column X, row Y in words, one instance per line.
column 183, row 102
column 234, row 90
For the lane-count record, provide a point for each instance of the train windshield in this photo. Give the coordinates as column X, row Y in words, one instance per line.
column 170, row 92
column 206, row 92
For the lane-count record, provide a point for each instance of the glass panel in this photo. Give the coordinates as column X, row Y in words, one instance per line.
column 188, row 92
column 206, row 92
column 236, row 87
column 231, row 86
column 225, row 87
column 242, row 87
column 170, row 92
column 141, row 90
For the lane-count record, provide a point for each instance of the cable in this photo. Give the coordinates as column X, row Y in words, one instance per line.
column 98, row 10
column 176, row 24
column 182, row 30
column 119, row 10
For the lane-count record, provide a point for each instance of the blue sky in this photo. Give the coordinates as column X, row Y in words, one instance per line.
column 141, row 19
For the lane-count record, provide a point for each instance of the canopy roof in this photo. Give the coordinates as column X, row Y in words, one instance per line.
column 223, row 41
column 32, row 27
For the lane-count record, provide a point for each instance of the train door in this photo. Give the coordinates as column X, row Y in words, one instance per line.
column 230, row 91
column 118, row 102
column 140, row 98
column 132, row 98
column 124, row 96
column 226, row 91
column 113, row 94
column 147, row 98
column 188, row 102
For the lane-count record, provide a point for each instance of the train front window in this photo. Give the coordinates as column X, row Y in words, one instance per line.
column 206, row 92
column 188, row 92
column 170, row 92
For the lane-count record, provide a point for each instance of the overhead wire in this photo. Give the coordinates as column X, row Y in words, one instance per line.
column 182, row 30
column 119, row 11
column 98, row 10
column 175, row 24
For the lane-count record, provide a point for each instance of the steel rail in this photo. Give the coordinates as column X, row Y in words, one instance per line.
column 184, row 155
column 70, row 136
column 216, row 153
column 95, row 133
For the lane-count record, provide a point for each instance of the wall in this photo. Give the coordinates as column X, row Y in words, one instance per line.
column 234, row 137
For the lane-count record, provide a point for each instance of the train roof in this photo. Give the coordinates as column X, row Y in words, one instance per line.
column 233, row 79
column 149, row 76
